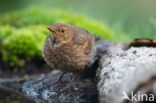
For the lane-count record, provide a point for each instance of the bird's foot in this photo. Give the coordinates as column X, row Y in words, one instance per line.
column 71, row 85
column 59, row 79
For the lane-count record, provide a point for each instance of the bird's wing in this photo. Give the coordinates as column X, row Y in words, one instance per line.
column 96, row 37
column 85, row 41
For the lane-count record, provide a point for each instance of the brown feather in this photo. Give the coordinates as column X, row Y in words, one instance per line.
column 68, row 48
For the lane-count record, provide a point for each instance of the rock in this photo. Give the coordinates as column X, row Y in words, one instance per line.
column 126, row 72
column 45, row 89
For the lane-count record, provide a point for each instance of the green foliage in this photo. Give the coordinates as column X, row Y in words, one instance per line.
column 37, row 16
column 22, row 33
column 20, row 45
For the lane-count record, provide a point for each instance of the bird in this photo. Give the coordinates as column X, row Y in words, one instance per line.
column 68, row 48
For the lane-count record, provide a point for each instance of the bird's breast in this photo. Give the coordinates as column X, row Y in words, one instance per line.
column 66, row 57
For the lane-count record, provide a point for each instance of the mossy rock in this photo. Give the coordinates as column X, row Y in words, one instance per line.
column 20, row 45
column 22, row 33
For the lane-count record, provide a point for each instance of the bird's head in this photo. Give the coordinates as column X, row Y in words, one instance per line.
column 61, row 33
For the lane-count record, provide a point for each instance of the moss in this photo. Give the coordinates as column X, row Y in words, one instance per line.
column 22, row 44
column 22, row 33
column 36, row 16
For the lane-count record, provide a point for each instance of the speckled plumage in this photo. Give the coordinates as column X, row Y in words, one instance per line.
column 68, row 48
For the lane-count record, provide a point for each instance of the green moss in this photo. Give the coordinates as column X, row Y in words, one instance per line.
column 22, row 33
column 36, row 16
column 22, row 44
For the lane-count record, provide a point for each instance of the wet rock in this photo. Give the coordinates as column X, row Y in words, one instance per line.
column 46, row 89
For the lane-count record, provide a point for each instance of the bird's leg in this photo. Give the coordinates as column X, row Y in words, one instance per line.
column 71, row 84
column 59, row 79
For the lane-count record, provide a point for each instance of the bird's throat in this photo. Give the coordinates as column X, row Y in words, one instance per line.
column 54, row 43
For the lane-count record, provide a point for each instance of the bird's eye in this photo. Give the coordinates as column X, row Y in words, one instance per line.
column 62, row 30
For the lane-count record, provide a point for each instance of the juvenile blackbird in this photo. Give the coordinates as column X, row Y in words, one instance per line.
column 68, row 48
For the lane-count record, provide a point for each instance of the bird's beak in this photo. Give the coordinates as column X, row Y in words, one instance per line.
column 51, row 28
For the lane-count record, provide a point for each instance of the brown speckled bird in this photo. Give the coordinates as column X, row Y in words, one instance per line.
column 68, row 48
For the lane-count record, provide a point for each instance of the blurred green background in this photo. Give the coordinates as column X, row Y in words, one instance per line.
column 23, row 23
column 133, row 18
